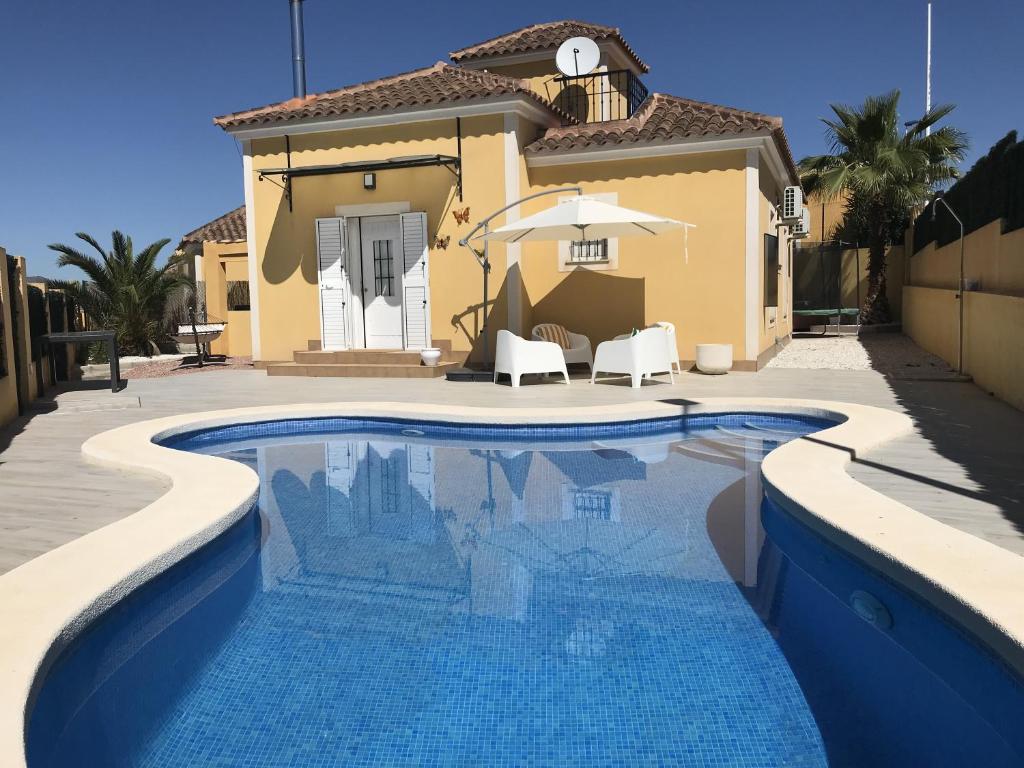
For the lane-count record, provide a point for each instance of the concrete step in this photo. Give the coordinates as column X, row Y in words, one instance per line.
column 710, row 451
column 314, row 345
column 357, row 356
column 372, row 356
column 366, row 370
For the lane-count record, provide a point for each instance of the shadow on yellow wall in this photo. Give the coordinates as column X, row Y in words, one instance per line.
column 603, row 304
column 467, row 324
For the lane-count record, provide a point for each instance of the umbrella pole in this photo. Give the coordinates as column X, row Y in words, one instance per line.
column 486, row 266
column 483, row 259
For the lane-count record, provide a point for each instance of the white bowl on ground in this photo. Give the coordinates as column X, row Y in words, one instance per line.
column 714, row 358
column 430, row 356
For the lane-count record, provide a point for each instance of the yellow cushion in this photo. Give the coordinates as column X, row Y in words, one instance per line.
column 554, row 332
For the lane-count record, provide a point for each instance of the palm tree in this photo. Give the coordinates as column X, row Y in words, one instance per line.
column 125, row 292
column 882, row 174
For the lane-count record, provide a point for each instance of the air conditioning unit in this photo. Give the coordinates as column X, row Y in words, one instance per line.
column 792, row 203
column 801, row 228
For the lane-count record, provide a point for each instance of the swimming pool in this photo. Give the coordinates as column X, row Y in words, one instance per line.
column 411, row 593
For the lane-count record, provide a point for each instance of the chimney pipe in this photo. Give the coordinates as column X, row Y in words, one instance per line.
column 298, row 51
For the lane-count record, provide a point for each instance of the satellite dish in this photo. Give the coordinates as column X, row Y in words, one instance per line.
column 577, row 56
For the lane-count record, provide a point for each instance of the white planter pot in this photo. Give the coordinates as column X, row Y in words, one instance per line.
column 430, row 357
column 714, row 358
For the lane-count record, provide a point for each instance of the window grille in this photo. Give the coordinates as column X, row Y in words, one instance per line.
column 390, row 495
column 592, row 505
column 383, row 268
column 588, row 251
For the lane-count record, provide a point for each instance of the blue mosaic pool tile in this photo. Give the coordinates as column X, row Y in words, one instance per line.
column 535, row 432
column 492, row 596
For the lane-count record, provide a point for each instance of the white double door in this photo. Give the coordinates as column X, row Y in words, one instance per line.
column 374, row 291
column 378, row 286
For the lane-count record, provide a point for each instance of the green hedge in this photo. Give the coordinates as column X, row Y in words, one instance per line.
column 992, row 189
column 37, row 325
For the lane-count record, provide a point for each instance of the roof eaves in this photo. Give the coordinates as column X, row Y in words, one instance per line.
column 782, row 144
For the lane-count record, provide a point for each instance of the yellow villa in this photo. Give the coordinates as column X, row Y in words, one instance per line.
column 356, row 198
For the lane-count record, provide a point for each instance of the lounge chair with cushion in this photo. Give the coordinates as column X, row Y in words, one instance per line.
column 516, row 356
column 642, row 354
column 575, row 346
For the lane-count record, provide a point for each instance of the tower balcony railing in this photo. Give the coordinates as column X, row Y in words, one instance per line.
column 600, row 97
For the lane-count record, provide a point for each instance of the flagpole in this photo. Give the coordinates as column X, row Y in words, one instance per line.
column 928, row 72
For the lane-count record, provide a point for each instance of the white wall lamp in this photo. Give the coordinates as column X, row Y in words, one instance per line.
column 369, row 181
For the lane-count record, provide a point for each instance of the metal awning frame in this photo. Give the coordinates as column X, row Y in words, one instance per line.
column 449, row 162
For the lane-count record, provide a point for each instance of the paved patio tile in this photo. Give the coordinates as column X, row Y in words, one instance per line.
column 961, row 466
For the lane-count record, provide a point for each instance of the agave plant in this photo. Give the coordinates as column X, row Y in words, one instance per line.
column 125, row 292
column 882, row 173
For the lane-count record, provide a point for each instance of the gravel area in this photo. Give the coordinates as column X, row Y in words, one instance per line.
column 127, row 360
column 180, row 367
column 891, row 354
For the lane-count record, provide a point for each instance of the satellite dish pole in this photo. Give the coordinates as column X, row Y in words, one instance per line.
column 928, row 72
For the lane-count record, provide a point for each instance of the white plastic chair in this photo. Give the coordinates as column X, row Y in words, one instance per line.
column 579, row 350
column 673, row 350
column 516, row 356
column 641, row 355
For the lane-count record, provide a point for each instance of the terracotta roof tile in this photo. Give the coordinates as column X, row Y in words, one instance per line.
column 439, row 84
column 541, row 37
column 664, row 118
column 229, row 228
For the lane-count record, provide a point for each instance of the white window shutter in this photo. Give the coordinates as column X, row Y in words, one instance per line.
column 333, row 283
column 416, row 282
column 421, row 472
column 342, row 463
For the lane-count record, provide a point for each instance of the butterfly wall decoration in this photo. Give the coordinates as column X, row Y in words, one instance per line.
column 461, row 217
column 441, row 243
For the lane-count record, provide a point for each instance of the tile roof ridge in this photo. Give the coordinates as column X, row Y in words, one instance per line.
column 482, row 75
column 659, row 119
column 366, row 85
column 478, row 51
column 637, row 121
column 310, row 98
column 486, row 83
column 540, row 25
column 774, row 119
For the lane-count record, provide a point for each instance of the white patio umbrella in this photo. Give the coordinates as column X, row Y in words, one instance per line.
column 574, row 218
column 583, row 218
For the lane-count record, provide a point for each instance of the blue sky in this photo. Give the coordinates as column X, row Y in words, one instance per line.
column 107, row 104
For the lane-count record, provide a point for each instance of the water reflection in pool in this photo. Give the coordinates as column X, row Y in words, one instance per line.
column 423, row 601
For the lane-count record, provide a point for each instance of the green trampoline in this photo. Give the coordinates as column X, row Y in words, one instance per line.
column 818, row 284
